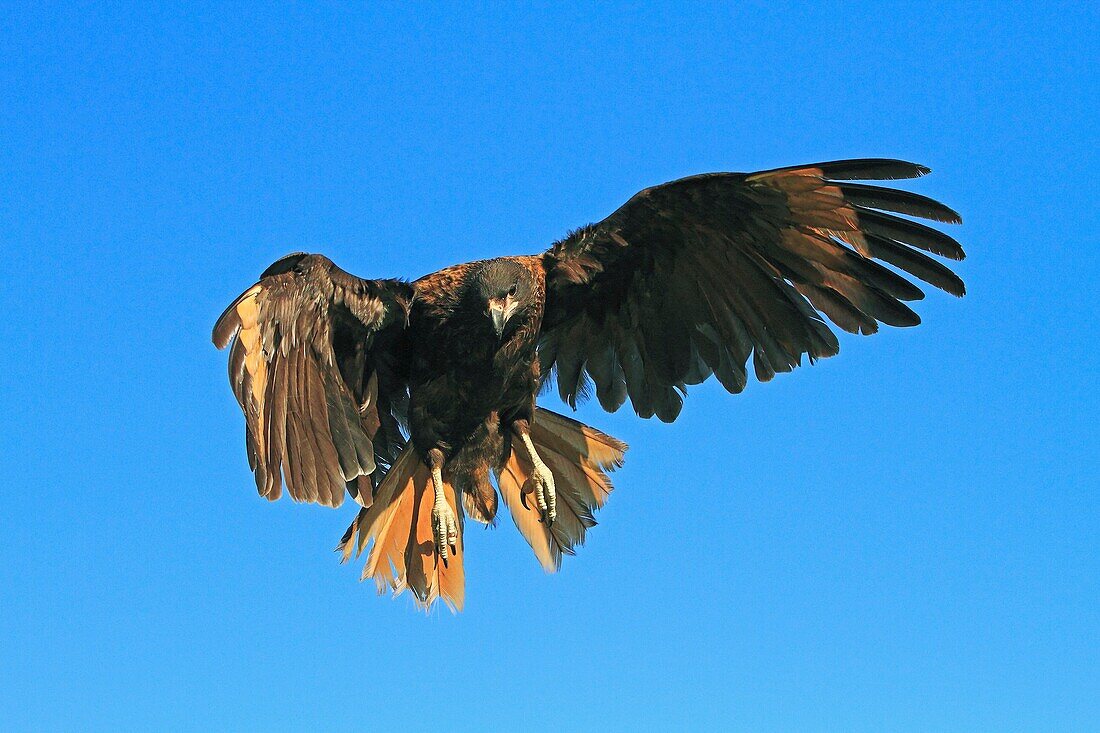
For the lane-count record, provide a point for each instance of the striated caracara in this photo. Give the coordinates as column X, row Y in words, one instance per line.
column 418, row 399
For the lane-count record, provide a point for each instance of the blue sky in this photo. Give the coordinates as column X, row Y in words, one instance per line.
column 900, row 538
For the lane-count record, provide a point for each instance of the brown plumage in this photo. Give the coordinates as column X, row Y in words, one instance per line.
column 418, row 399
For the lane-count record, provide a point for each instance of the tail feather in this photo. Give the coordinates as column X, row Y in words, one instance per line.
column 399, row 525
column 512, row 479
column 578, row 456
column 566, row 435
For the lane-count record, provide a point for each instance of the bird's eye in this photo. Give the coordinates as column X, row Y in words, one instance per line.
column 512, row 290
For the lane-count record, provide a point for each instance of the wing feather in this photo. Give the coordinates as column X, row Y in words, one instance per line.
column 694, row 277
column 305, row 354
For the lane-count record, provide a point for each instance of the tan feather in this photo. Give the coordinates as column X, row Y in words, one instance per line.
column 399, row 524
column 512, row 479
column 597, row 448
column 577, row 456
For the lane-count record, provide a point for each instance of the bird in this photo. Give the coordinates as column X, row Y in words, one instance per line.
column 417, row 399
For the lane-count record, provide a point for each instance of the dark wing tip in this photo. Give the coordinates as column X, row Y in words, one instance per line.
column 872, row 169
column 226, row 326
column 229, row 321
column 902, row 202
column 950, row 216
column 220, row 338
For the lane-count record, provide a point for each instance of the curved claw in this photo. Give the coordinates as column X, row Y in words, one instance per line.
column 444, row 530
column 542, row 483
column 545, row 495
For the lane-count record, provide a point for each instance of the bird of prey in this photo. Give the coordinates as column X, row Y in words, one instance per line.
column 418, row 398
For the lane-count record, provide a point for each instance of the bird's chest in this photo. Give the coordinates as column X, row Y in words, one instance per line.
column 462, row 376
column 475, row 369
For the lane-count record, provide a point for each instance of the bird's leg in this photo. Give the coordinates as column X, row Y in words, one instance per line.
column 444, row 522
column 543, row 479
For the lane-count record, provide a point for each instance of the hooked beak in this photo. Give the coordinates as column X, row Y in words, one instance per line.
column 500, row 311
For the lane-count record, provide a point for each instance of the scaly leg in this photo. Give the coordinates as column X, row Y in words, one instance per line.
column 543, row 480
column 444, row 522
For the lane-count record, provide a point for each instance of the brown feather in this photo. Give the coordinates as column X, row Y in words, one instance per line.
column 303, row 423
column 403, row 555
column 578, row 457
column 691, row 277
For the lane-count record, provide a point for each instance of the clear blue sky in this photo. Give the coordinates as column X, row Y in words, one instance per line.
column 904, row 537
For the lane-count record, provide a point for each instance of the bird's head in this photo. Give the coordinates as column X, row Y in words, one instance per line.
column 504, row 288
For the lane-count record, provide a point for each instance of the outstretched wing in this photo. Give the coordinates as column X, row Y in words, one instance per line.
column 313, row 368
column 689, row 278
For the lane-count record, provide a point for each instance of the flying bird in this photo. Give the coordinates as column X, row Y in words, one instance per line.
column 418, row 399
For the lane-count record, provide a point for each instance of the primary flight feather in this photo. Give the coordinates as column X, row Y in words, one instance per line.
column 418, row 399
